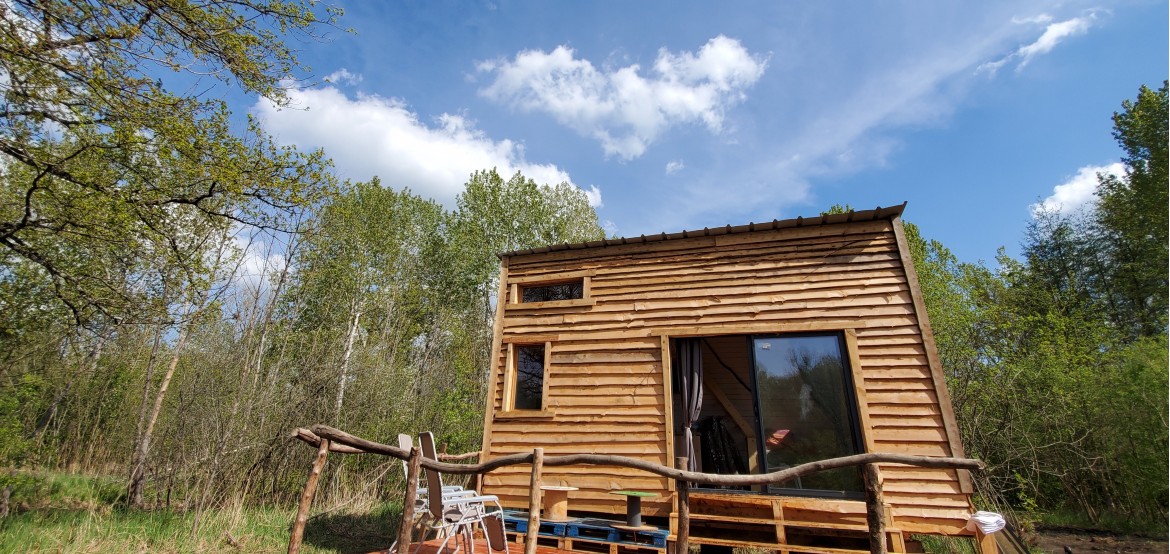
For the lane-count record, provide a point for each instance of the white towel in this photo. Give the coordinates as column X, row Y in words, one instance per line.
column 987, row 522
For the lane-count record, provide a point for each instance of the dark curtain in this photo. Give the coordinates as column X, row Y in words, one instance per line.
column 688, row 373
column 719, row 452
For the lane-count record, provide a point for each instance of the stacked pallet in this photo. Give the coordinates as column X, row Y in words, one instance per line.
column 586, row 535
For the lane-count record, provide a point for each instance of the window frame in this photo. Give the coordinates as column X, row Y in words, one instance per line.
column 517, row 283
column 848, row 330
column 508, row 402
column 852, row 389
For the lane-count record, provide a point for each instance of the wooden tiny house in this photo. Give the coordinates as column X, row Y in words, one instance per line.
column 808, row 337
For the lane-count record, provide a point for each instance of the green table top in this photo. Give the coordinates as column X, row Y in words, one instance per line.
column 634, row 493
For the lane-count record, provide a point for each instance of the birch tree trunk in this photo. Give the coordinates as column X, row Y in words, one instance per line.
column 353, row 327
column 142, row 449
column 134, row 493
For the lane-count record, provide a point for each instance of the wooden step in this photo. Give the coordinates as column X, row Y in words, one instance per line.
column 778, row 547
column 839, row 526
column 733, row 519
column 732, row 542
column 586, row 545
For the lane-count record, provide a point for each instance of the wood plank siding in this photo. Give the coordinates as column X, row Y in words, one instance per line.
column 607, row 388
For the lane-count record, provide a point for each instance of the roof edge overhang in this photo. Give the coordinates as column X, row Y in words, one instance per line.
column 887, row 213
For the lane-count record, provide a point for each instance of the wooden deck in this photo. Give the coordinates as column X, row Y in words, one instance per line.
column 481, row 547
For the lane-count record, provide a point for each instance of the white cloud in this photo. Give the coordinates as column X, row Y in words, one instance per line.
column 1041, row 19
column 992, row 67
column 621, row 108
column 1054, row 34
column 910, row 80
column 343, row 76
column 610, row 228
column 256, row 264
column 674, row 166
column 594, row 196
column 370, row 135
column 1077, row 191
column 260, row 260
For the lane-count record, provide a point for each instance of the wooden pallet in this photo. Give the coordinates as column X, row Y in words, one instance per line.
column 517, row 522
column 586, row 535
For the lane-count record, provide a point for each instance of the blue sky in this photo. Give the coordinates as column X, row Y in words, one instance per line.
column 688, row 115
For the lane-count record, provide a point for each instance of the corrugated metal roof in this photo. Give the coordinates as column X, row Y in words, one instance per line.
column 889, row 212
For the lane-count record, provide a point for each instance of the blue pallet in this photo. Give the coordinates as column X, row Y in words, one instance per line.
column 599, row 530
column 517, row 522
column 602, row 530
column 656, row 539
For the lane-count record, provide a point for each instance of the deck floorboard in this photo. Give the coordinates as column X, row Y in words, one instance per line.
column 481, row 547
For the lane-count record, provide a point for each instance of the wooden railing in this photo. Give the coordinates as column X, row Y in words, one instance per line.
column 327, row 439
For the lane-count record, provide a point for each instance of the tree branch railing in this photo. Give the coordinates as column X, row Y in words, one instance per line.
column 328, row 439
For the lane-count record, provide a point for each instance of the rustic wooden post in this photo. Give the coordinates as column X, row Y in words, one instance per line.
column 681, row 487
column 986, row 543
column 874, row 512
column 298, row 531
column 534, row 502
column 408, row 500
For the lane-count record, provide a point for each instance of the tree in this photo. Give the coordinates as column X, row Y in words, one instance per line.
column 195, row 299
column 362, row 273
column 114, row 188
column 1067, row 414
column 496, row 216
column 100, row 158
column 1132, row 216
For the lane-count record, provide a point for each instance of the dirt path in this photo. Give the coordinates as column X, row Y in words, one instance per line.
column 1054, row 541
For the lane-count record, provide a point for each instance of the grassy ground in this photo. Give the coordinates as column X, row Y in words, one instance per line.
column 1107, row 524
column 54, row 512
column 80, row 514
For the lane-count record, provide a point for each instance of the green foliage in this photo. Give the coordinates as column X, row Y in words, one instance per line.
column 837, row 209
column 1057, row 363
column 14, row 440
column 38, row 490
column 935, row 544
column 390, row 304
column 1132, row 220
column 367, row 249
column 496, row 216
column 103, row 164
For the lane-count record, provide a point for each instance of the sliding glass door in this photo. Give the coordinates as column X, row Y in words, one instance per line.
column 806, row 409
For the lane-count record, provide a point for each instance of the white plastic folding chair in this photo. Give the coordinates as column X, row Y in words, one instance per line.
column 405, row 443
column 456, row 516
column 421, row 512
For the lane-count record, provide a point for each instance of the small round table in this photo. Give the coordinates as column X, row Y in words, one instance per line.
column 556, row 502
column 634, row 510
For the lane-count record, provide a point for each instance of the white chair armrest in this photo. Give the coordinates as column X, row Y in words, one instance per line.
column 470, row 500
column 457, row 494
